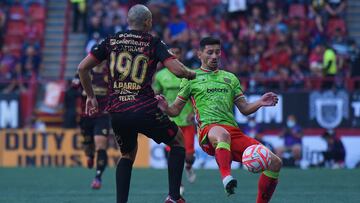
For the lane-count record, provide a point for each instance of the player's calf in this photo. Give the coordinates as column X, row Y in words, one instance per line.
column 176, row 165
column 269, row 180
column 89, row 149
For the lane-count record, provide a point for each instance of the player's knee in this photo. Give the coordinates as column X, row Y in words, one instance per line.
column 224, row 137
column 178, row 140
column 129, row 153
column 130, row 156
column 100, row 146
column 218, row 134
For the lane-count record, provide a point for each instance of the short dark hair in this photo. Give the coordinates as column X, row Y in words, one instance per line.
column 208, row 41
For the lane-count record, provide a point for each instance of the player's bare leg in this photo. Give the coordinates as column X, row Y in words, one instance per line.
column 220, row 138
column 123, row 175
column 101, row 160
column 175, row 168
column 268, row 180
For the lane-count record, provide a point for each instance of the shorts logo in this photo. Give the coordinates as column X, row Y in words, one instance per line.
column 213, row 90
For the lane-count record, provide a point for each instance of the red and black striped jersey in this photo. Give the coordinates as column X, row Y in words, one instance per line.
column 99, row 82
column 132, row 58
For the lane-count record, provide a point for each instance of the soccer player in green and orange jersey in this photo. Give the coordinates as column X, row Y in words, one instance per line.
column 167, row 84
column 213, row 94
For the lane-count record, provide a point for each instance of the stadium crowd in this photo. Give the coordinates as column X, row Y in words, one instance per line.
column 22, row 26
column 267, row 43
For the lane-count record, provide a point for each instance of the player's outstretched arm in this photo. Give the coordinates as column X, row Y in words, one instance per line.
column 268, row 99
column 84, row 73
column 179, row 69
column 174, row 109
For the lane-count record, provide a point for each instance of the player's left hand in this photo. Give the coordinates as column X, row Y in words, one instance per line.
column 91, row 106
column 192, row 75
column 269, row 99
column 162, row 103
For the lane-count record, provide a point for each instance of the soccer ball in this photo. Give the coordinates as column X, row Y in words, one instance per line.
column 256, row 158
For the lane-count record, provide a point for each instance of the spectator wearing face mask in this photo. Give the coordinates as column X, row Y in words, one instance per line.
column 291, row 150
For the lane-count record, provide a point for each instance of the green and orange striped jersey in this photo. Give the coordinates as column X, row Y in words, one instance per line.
column 213, row 94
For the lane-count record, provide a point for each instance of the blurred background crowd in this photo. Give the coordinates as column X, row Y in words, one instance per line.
column 269, row 44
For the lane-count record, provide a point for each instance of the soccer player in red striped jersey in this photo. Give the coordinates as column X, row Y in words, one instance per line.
column 95, row 128
column 132, row 60
column 214, row 93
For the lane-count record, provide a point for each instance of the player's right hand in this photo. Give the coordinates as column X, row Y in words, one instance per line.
column 192, row 75
column 269, row 99
column 162, row 103
column 91, row 106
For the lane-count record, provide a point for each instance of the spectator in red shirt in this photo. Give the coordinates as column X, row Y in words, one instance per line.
column 315, row 60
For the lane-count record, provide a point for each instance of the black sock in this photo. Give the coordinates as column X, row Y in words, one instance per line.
column 89, row 146
column 123, row 176
column 175, row 170
column 101, row 162
column 166, row 153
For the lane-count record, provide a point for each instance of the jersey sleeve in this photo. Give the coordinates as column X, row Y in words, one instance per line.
column 157, row 84
column 238, row 90
column 100, row 51
column 185, row 90
column 162, row 52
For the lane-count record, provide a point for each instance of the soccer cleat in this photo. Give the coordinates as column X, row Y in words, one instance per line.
column 230, row 184
column 190, row 175
column 169, row 200
column 96, row 184
column 90, row 162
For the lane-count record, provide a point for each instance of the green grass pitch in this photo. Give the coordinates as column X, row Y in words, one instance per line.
column 68, row 185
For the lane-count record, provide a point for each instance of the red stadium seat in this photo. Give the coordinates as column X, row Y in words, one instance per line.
column 335, row 24
column 297, row 10
column 197, row 10
column 15, row 44
column 11, row 39
column 41, row 27
column 37, row 12
column 16, row 28
column 40, row 30
column 16, row 12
